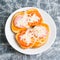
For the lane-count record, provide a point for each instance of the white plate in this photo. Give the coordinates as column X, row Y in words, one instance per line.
column 10, row 35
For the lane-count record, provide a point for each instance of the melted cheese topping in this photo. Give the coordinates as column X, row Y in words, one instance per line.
column 36, row 32
column 23, row 21
column 40, row 31
column 27, row 36
column 33, row 18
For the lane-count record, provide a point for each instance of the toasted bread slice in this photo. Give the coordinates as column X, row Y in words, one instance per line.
column 33, row 11
column 22, row 43
column 43, row 39
column 15, row 28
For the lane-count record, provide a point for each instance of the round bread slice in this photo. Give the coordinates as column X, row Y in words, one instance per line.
column 22, row 41
column 36, row 16
column 41, row 34
column 14, row 26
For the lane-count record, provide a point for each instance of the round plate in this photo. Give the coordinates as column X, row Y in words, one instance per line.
column 10, row 35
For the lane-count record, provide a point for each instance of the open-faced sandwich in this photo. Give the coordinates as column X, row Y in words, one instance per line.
column 29, row 28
